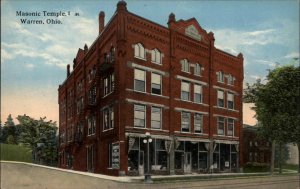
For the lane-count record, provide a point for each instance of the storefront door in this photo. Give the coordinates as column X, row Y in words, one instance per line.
column 187, row 162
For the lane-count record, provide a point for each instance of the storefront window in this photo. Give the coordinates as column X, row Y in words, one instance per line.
column 133, row 162
column 224, row 156
column 195, row 156
column 233, row 163
column 202, row 157
column 179, row 160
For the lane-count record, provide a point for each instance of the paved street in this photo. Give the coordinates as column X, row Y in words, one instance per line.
column 17, row 176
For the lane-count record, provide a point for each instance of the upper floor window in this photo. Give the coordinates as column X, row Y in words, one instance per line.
column 155, row 83
column 230, row 127
column 185, row 121
column 92, row 95
column 156, row 117
column 230, row 101
column 221, row 125
column 197, row 93
column 91, row 125
column 197, row 70
column 109, row 84
column 230, row 79
column 185, row 90
column 185, row 66
column 139, row 51
column 220, row 98
column 155, row 56
column 220, row 76
column 198, row 123
column 139, row 80
column 112, row 52
column 108, row 118
column 139, row 115
column 80, row 105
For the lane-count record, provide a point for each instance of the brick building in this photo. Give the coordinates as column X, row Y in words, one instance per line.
column 139, row 76
column 256, row 150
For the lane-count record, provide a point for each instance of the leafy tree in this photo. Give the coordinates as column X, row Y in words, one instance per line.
column 277, row 106
column 40, row 136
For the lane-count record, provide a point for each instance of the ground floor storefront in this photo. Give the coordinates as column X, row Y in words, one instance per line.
column 181, row 155
column 139, row 154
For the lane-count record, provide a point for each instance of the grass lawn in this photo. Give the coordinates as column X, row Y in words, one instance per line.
column 11, row 152
column 256, row 169
column 290, row 167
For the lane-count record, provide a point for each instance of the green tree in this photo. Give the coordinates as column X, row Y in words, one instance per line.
column 40, row 136
column 10, row 140
column 8, row 129
column 277, row 106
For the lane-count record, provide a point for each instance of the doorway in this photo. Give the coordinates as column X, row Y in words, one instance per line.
column 187, row 162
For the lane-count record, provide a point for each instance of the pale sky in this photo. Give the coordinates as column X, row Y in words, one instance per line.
column 34, row 57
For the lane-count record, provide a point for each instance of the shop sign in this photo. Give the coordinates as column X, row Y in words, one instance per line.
column 115, row 155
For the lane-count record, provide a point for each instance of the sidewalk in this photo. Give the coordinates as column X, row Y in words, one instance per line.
column 160, row 178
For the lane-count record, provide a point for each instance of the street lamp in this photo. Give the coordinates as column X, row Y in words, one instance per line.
column 148, row 140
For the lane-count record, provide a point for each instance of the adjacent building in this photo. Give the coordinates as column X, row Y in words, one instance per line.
column 141, row 77
column 256, row 150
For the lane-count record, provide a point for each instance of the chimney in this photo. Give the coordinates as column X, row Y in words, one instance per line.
column 121, row 6
column 85, row 48
column 74, row 63
column 171, row 20
column 68, row 70
column 101, row 21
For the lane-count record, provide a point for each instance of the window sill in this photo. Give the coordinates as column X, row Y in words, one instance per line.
column 107, row 130
column 155, row 129
column 186, row 72
column 200, row 103
column 156, row 94
column 107, row 94
column 136, row 127
column 198, row 75
column 203, row 134
column 91, row 135
column 187, row 132
column 233, row 110
column 220, row 107
column 158, row 63
column 140, row 58
column 186, row 100
column 143, row 92
column 147, row 93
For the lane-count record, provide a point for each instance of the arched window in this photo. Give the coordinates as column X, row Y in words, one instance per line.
column 230, row 79
column 155, row 56
column 198, row 69
column 112, row 53
column 185, row 65
column 139, row 51
column 220, row 76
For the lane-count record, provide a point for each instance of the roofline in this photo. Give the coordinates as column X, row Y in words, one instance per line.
column 105, row 28
column 164, row 27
